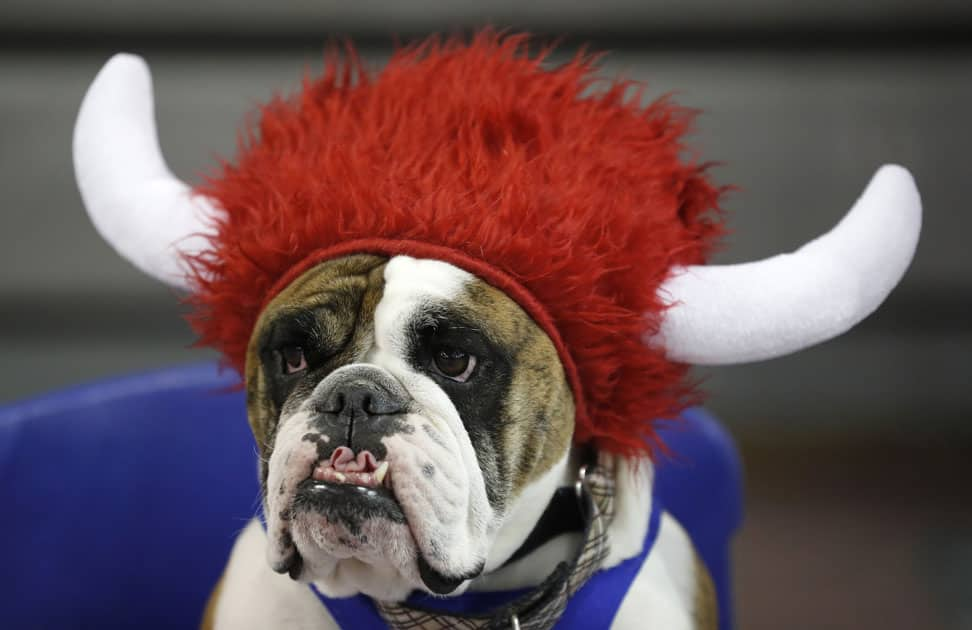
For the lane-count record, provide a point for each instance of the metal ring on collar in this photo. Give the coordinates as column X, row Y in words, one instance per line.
column 581, row 483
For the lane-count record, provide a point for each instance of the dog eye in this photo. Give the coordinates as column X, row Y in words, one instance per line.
column 454, row 364
column 293, row 359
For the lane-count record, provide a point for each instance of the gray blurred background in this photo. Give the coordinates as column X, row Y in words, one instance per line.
column 857, row 451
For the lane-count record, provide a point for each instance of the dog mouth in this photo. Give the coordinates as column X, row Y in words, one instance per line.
column 348, row 488
column 346, row 503
column 345, row 467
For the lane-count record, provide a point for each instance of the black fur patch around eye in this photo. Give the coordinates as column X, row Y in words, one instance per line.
column 480, row 400
column 322, row 335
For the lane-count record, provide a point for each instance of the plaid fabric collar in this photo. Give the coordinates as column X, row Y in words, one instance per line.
column 540, row 608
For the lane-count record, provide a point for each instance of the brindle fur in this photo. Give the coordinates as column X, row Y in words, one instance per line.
column 209, row 615
column 705, row 610
column 538, row 412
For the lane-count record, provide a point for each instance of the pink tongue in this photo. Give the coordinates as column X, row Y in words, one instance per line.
column 344, row 460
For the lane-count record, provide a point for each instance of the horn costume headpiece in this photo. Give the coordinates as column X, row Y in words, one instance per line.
column 571, row 196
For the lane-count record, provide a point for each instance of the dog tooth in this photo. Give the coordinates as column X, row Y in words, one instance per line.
column 380, row 473
column 339, row 477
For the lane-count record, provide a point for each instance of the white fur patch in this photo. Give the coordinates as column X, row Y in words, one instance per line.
column 253, row 596
column 410, row 285
column 526, row 509
column 632, row 509
column 663, row 593
column 451, row 513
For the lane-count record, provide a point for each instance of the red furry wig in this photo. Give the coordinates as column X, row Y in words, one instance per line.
column 573, row 200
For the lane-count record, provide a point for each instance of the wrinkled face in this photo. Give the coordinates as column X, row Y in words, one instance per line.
column 406, row 413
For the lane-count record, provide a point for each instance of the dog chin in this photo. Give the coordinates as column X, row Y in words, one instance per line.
column 374, row 556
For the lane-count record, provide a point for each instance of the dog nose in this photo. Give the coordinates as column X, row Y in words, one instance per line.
column 358, row 406
column 361, row 399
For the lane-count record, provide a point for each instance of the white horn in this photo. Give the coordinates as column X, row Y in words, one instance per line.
column 772, row 307
column 134, row 200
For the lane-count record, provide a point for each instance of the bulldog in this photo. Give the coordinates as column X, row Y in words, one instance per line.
column 413, row 424
column 459, row 295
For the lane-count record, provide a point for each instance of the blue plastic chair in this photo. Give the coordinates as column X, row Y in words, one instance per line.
column 121, row 499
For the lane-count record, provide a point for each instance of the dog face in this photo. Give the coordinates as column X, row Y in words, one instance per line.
column 410, row 418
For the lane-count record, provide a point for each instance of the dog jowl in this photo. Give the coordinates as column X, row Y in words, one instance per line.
column 398, row 422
